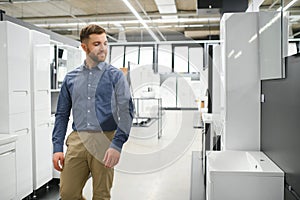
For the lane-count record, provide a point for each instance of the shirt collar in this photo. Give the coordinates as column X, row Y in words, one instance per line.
column 100, row 65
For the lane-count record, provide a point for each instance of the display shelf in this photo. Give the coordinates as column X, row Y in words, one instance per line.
column 139, row 104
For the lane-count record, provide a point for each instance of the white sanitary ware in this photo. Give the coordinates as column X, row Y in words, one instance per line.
column 247, row 175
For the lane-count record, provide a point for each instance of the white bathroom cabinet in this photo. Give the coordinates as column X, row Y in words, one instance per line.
column 241, row 81
column 41, row 108
column 15, row 102
column 251, row 50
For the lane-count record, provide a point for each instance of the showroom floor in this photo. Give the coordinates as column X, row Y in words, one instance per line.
column 151, row 169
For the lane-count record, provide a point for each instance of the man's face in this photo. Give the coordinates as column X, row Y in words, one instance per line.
column 96, row 47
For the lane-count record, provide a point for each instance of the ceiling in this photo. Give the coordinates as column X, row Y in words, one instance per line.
column 67, row 17
column 294, row 13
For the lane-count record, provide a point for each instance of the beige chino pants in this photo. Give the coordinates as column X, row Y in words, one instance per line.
column 84, row 157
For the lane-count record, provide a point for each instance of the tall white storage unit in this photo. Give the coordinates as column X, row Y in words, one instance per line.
column 251, row 50
column 240, row 59
column 15, row 101
column 41, row 108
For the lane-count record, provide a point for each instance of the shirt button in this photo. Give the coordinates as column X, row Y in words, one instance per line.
column 89, row 97
column 89, row 85
column 91, row 73
column 88, row 124
column 89, row 111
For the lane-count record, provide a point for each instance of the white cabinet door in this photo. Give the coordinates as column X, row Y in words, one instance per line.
column 40, row 69
column 7, row 171
column 15, row 68
column 41, row 62
column 19, row 101
column 42, row 155
column 41, row 113
column 19, row 122
column 18, row 57
column 24, row 164
column 18, row 64
column 240, row 59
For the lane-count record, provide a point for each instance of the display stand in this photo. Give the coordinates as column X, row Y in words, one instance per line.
column 138, row 102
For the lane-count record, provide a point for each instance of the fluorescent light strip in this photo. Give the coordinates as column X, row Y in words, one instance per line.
column 141, row 20
column 74, row 26
column 287, row 6
column 158, row 21
column 273, row 4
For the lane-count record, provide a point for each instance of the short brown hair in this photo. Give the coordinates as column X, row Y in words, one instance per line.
column 90, row 29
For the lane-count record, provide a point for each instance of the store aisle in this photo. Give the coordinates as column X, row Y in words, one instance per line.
column 152, row 169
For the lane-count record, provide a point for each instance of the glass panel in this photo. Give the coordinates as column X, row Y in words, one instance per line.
column 181, row 59
column 117, row 56
column 164, row 58
column 146, row 56
column 291, row 8
column 131, row 55
column 168, row 92
column 196, row 59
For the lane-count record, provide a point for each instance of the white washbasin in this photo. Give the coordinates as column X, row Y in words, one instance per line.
column 247, row 175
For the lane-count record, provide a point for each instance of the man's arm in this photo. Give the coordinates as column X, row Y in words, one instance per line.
column 125, row 113
column 62, row 115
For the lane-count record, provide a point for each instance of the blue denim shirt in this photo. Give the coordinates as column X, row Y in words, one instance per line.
column 100, row 100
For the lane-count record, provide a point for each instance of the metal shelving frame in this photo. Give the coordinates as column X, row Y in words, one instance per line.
column 158, row 117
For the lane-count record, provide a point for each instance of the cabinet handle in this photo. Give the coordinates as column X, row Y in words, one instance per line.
column 22, row 91
column 7, row 153
column 21, row 130
column 47, row 91
column 44, row 124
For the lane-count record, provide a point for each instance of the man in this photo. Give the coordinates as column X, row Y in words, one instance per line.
column 102, row 110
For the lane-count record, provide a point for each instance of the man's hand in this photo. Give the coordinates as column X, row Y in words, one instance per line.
column 58, row 161
column 111, row 157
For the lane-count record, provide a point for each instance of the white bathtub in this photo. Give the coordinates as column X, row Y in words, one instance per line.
column 246, row 175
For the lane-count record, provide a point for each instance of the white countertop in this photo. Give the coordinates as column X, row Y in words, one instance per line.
column 7, row 138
